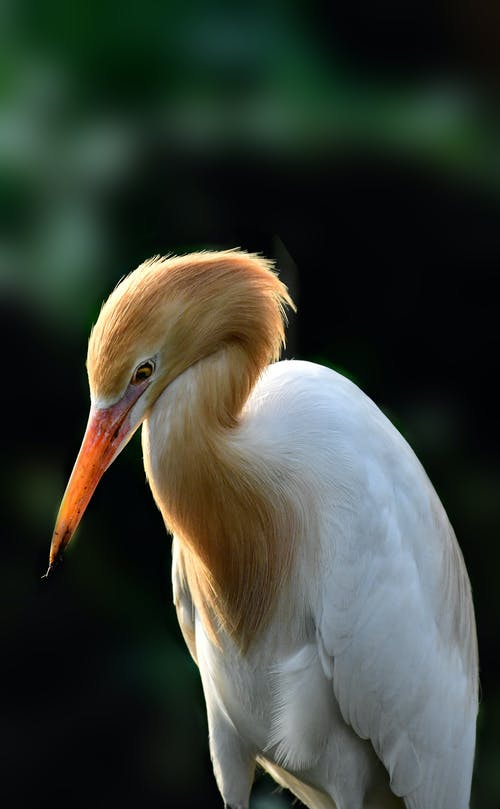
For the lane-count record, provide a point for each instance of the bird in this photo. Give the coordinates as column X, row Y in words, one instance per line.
column 318, row 583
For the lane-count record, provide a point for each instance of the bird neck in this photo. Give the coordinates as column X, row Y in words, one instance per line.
column 227, row 505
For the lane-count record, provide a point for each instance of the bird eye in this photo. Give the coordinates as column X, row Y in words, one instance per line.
column 142, row 372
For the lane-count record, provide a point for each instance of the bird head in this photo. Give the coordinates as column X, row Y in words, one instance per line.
column 160, row 320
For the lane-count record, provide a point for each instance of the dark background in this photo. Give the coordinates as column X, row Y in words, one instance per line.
column 357, row 144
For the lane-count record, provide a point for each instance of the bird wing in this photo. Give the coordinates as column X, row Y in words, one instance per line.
column 397, row 633
column 182, row 599
column 384, row 577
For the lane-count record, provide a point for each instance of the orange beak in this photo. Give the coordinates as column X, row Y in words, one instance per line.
column 108, row 431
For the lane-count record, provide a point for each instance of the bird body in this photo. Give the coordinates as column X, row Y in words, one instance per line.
column 317, row 580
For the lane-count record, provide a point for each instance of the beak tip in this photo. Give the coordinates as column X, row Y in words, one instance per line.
column 52, row 566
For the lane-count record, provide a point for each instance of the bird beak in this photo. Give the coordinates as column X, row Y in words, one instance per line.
column 108, row 431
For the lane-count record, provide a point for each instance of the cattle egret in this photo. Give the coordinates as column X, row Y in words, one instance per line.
column 317, row 581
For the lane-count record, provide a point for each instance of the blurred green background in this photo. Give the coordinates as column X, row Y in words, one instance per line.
column 355, row 143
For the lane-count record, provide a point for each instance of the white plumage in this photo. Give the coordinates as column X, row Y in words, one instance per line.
column 317, row 580
column 372, row 644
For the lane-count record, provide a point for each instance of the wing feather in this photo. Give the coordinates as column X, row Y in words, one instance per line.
column 397, row 630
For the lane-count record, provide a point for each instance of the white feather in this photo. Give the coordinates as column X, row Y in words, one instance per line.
column 384, row 665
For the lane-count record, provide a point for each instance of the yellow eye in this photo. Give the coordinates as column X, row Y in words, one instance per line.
column 142, row 372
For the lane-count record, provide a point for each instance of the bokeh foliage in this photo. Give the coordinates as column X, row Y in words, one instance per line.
column 359, row 148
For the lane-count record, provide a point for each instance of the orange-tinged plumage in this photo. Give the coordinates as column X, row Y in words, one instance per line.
column 191, row 306
column 227, row 309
